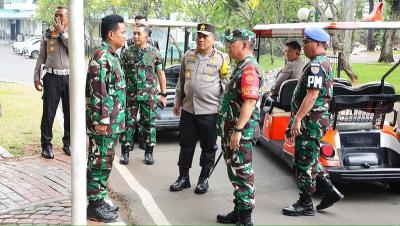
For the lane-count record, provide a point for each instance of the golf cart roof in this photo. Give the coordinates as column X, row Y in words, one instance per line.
column 297, row 29
column 165, row 23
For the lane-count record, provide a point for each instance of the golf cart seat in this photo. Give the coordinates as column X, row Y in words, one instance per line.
column 286, row 94
column 342, row 81
column 366, row 104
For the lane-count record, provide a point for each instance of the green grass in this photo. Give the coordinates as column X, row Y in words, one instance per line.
column 20, row 122
column 266, row 65
column 373, row 73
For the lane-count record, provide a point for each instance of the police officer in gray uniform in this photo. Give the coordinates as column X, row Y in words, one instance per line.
column 202, row 80
column 54, row 54
column 293, row 68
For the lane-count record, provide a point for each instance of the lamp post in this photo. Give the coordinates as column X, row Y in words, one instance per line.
column 303, row 14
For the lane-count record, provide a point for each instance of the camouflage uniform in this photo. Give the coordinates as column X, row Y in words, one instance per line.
column 317, row 74
column 140, row 66
column 239, row 165
column 106, row 102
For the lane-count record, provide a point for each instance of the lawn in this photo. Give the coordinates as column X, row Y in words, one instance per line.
column 20, row 122
column 374, row 72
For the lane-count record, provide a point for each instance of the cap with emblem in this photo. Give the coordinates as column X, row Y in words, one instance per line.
column 206, row 29
column 241, row 34
column 316, row 34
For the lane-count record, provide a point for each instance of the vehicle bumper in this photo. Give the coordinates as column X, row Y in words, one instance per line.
column 167, row 124
column 351, row 174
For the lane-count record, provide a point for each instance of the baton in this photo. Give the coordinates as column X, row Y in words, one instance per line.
column 215, row 165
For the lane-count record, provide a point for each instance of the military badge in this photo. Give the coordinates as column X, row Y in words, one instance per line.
column 315, row 69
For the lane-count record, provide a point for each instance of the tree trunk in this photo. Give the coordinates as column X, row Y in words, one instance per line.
column 347, row 14
column 370, row 41
column 387, row 49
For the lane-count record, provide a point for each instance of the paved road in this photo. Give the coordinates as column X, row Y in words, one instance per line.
column 15, row 67
column 275, row 188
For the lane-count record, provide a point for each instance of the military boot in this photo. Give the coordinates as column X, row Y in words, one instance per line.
column 330, row 198
column 98, row 211
column 125, row 154
column 231, row 217
column 148, row 155
column 244, row 218
column 303, row 206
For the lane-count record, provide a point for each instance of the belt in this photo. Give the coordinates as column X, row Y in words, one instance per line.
column 58, row 71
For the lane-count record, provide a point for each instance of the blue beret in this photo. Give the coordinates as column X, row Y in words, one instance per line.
column 316, row 34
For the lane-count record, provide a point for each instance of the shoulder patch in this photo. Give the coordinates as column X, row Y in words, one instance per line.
column 315, row 69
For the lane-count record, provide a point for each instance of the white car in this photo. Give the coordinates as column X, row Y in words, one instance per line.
column 32, row 49
column 19, row 46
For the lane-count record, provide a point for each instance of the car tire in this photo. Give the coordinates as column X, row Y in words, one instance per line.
column 395, row 187
column 35, row 54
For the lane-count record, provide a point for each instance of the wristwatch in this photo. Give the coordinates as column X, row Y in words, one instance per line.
column 238, row 130
column 163, row 94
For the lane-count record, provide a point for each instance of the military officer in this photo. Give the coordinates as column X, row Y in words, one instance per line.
column 142, row 65
column 105, row 115
column 238, row 124
column 54, row 54
column 202, row 79
column 308, row 124
column 143, row 20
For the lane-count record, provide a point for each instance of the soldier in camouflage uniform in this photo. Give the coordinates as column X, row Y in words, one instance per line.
column 105, row 115
column 142, row 65
column 308, row 124
column 238, row 124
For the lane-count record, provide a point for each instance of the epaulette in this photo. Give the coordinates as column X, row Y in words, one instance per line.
column 47, row 34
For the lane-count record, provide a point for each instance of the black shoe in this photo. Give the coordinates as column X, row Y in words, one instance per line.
column 111, row 208
column 244, row 218
column 330, row 198
column 66, row 150
column 148, row 155
column 124, row 155
column 303, row 206
column 100, row 212
column 202, row 185
column 180, row 183
column 47, row 153
column 229, row 218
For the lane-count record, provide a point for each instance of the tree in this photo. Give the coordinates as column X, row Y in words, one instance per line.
column 389, row 36
column 341, row 41
column 370, row 40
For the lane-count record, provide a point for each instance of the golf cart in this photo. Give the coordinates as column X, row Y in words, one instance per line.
column 361, row 143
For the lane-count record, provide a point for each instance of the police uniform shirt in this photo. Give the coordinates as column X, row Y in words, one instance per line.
column 203, row 82
column 53, row 52
column 292, row 70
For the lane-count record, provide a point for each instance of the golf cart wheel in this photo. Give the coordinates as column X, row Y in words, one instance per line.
column 395, row 187
column 35, row 54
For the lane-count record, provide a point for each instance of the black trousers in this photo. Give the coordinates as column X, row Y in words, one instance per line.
column 197, row 127
column 54, row 88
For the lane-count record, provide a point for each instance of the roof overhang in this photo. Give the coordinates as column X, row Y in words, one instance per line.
column 297, row 29
column 165, row 23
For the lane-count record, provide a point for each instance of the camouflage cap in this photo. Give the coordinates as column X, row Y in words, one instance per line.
column 241, row 34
